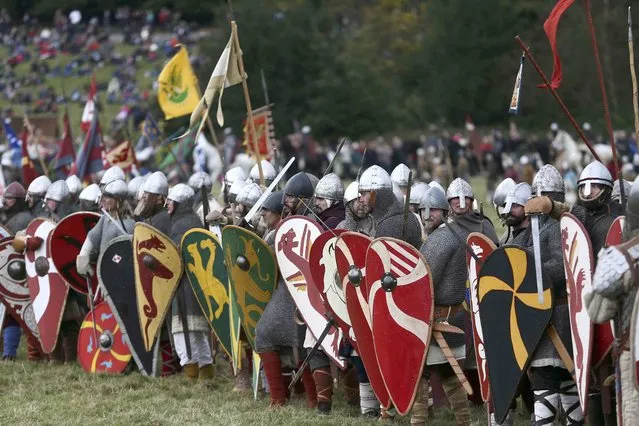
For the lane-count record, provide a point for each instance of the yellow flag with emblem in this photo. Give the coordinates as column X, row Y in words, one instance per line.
column 178, row 93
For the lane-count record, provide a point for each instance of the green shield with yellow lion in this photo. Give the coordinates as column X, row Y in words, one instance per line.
column 204, row 266
column 252, row 272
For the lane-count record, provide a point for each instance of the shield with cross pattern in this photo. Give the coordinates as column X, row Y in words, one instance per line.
column 513, row 319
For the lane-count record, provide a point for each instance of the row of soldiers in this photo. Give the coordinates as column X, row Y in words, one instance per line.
column 438, row 224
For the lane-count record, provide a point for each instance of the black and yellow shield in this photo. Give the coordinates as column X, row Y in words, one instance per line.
column 512, row 318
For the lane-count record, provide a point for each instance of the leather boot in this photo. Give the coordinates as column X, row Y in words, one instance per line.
column 57, row 355
column 191, row 371
column 351, row 387
column 206, row 372
column 309, row 387
column 170, row 362
column 34, row 351
column 324, row 388
column 273, row 371
column 70, row 346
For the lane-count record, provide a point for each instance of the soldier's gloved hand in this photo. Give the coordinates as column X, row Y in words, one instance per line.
column 538, row 205
column 83, row 265
column 216, row 217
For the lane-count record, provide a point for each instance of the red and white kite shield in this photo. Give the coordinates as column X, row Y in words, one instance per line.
column 634, row 341
column 613, row 238
column 350, row 251
column 293, row 241
column 578, row 265
column 401, row 305
column 14, row 293
column 324, row 271
column 482, row 246
column 47, row 290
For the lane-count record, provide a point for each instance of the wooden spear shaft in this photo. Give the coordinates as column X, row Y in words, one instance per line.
column 555, row 95
column 604, row 97
column 633, row 75
column 247, row 99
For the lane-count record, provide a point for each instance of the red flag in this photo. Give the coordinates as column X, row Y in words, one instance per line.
column 28, row 170
column 89, row 160
column 89, row 107
column 550, row 27
column 66, row 152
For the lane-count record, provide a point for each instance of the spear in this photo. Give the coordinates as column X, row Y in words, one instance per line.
column 633, row 74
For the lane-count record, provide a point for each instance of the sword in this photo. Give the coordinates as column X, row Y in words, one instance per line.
column 95, row 331
column 534, row 223
column 300, row 371
column 337, row 151
column 561, row 350
column 183, row 320
column 271, row 187
column 441, row 341
column 117, row 225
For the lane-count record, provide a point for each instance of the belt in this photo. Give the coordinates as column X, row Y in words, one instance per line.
column 445, row 312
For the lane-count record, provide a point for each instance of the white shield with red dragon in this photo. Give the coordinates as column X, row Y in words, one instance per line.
column 578, row 266
column 47, row 290
column 482, row 246
column 293, row 240
column 14, row 292
column 401, row 308
column 350, row 253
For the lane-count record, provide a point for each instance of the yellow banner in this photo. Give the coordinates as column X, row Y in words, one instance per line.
column 178, row 93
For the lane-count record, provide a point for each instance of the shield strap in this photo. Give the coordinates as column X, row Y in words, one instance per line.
column 439, row 338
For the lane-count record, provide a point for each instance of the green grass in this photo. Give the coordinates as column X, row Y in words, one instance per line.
column 51, row 394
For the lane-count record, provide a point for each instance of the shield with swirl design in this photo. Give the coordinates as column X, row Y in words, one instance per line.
column 578, row 266
column 401, row 306
column 350, row 254
column 482, row 246
column 512, row 319
column 294, row 238
column 103, row 349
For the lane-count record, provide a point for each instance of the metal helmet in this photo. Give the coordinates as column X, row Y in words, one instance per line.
column 616, row 190
column 330, row 187
column 199, row 180
column 519, row 194
column 397, row 192
column 374, row 178
column 90, row 193
column 461, row 189
column 236, row 188
column 15, row 190
column 435, row 184
column 499, row 197
column 58, row 191
column 249, row 195
column 433, row 198
column 116, row 189
column 233, row 175
column 417, row 191
column 548, row 179
column 274, row 202
column 314, row 180
column 267, row 170
column 156, row 184
column 180, row 193
column 594, row 172
column 74, row 184
column 135, row 185
column 113, row 173
column 351, row 193
column 300, row 185
column 400, row 175
column 39, row 186
column 632, row 208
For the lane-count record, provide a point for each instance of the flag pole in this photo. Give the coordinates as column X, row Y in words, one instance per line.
column 633, row 75
column 247, row 99
column 604, row 98
column 554, row 93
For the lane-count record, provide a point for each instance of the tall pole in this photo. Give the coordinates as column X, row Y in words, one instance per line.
column 633, row 75
column 604, row 98
column 555, row 95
